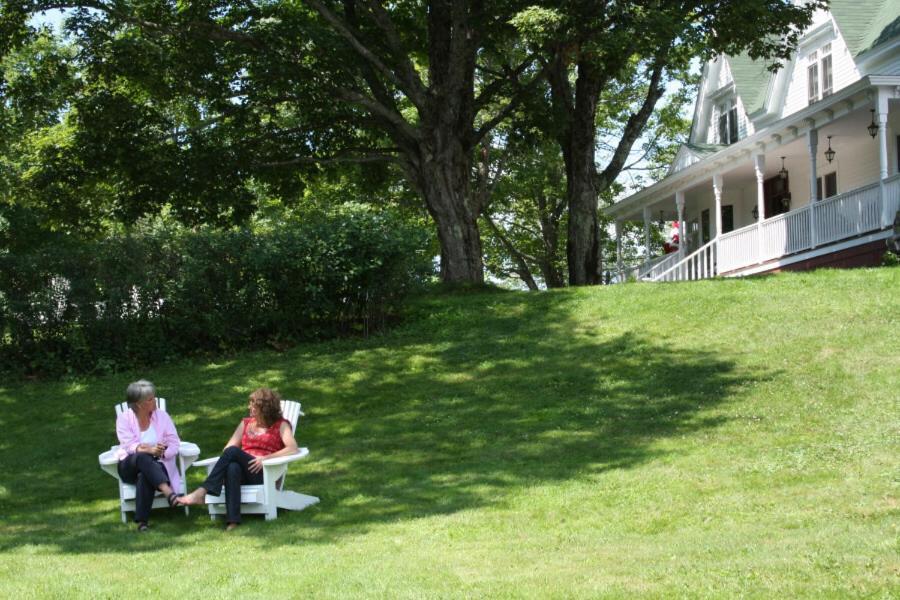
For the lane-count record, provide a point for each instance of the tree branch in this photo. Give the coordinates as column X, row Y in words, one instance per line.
column 372, row 157
column 523, row 271
column 407, row 71
column 344, row 31
column 634, row 126
column 379, row 110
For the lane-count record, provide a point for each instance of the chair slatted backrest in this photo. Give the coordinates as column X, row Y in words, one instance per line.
column 290, row 410
column 123, row 407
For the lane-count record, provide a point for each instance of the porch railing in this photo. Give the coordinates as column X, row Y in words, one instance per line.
column 844, row 216
column 660, row 266
column 700, row 264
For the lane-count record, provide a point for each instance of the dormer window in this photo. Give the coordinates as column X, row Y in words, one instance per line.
column 819, row 74
column 728, row 123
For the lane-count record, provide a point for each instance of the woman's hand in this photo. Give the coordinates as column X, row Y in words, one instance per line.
column 256, row 465
column 156, row 450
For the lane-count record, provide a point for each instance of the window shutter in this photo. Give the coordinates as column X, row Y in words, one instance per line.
column 812, row 73
column 818, row 188
column 732, row 126
column 723, row 128
column 831, row 185
column 826, row 76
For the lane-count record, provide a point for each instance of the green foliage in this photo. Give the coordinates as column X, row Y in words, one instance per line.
column 147, row 297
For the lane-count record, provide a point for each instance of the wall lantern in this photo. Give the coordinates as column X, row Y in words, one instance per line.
column 873, row 126
column 829, row 154
column 783, row 172
column 755, row 212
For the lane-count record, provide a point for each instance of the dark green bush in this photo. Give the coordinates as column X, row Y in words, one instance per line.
column 137, row 300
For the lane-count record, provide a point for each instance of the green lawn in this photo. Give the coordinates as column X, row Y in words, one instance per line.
column 712, row 439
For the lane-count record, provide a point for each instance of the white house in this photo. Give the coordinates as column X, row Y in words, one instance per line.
column 792, row 169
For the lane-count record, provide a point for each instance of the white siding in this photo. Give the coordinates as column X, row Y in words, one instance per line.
column 724, row 76
column 844, row 71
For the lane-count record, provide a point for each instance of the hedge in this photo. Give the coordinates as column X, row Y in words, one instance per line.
column 136, row 300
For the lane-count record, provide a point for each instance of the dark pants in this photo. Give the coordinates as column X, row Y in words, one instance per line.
column 146, row 474
column 232, row 469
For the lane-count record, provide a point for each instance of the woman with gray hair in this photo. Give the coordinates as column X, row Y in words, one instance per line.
column 148, row 445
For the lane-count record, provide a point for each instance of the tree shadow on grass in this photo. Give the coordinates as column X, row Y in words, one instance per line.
column 475, row 400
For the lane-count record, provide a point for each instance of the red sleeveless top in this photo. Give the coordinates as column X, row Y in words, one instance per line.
column 265, row 443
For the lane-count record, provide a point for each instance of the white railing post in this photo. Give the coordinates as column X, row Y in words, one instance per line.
column 619, row 249
column 881, row 108
column 813, row 140
column 759, row 167
column 718, row 184
column 647, row 232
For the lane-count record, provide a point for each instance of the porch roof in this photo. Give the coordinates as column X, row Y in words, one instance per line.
column 774, row 136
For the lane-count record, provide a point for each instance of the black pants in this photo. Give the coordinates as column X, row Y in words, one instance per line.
column 146, row 474
column 232, row 469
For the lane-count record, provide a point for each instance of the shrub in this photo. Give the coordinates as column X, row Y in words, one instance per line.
column 135, row 300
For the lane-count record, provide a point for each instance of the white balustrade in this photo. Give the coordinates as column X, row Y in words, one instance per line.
column 785, row 234
column 891, row 199
column 848, row 215
column 662, row 265
column 738, row 248
column 700, row 264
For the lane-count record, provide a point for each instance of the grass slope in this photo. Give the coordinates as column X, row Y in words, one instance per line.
column 718, row 438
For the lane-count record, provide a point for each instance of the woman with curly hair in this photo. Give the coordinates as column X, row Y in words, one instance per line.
column 264, row 434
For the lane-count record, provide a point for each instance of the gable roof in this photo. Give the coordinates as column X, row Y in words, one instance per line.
column 751, row 80
column 863, row 24
column 866, row 23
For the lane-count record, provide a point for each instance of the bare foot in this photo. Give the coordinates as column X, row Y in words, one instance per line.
column 195, row 497
column 231, row 526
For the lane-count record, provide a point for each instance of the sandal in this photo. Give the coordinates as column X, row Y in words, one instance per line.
column 143, row 527
column 172, row 499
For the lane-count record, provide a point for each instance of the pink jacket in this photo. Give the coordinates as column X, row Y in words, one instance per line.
column 129, row 433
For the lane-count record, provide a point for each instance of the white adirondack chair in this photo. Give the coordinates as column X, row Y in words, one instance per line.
column 267, row 498
column 188, row 452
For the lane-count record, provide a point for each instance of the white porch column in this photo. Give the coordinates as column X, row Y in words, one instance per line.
column 679, row 204
column 619, row 249
column 813, row 142
column 881, row 110
column 647, row 232
column 759, row 168
column 717, row 192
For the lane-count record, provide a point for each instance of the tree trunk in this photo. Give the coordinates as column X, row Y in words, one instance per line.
column 442, row 178
column 583, row 245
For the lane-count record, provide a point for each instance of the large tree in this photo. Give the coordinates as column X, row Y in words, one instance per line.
column 184, row 102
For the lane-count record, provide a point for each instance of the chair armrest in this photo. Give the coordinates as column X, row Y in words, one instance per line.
column 188, row 449
column 282, row 460
column 206, row 462
column 109, row 457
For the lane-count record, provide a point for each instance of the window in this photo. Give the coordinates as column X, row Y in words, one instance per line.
column 819, row 73
column 830, row 181
column 727, row 218
column 704, row 226
column 812, row 77
column 827, row 79
column 728, row 124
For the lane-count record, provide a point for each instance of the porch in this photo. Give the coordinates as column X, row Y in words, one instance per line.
column 855, row 218
column 780, row 196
